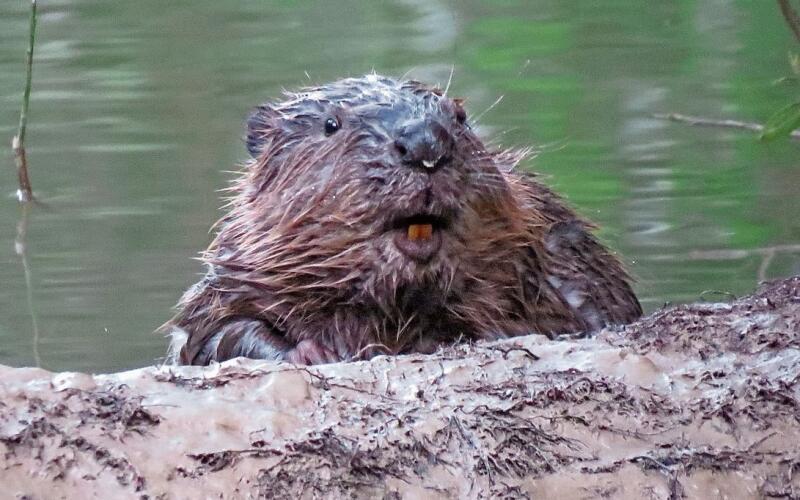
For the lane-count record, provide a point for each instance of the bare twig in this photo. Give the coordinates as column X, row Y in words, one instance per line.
column 24, row 193
column 791, row 17
column 765, row 262
column 710, row 122
column 733, row 254
column 767, row 255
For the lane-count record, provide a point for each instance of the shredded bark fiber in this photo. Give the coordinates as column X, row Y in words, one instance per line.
column 698, row 401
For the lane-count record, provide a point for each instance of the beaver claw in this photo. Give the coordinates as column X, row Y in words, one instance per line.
column 311, row 352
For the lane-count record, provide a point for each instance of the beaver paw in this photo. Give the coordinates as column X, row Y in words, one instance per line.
column 311, row 352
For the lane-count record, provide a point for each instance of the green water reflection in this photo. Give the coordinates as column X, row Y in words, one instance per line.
column 137, row 110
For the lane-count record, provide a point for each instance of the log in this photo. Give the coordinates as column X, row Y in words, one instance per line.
column 695, row 401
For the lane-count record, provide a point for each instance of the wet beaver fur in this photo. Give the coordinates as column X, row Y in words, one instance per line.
column 372, row 220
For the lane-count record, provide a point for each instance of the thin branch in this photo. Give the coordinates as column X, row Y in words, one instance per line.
column 764, row 266
column 740, row 253
column 710, row 122
column 25, row 193
column 791, row 17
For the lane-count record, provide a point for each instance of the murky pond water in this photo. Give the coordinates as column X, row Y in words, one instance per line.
column 137, row 111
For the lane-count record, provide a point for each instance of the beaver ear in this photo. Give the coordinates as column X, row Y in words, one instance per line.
column 259, row 125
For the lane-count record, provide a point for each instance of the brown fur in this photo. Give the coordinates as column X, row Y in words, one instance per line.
column 304, row 268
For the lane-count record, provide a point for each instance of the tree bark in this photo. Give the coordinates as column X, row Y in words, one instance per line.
column 698, row 401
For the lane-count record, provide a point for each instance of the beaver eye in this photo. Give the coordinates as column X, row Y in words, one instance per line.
column 331, row 126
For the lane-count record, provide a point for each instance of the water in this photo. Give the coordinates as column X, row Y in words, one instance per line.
column 137, row 111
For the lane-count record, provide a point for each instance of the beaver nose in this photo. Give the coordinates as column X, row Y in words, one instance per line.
column 424, row 144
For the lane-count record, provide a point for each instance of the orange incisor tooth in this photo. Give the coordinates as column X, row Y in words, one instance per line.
column 420, row 232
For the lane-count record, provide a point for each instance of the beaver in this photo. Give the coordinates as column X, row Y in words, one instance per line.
column 371, row 220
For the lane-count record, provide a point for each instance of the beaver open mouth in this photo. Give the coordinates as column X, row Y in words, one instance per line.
column 419, row 237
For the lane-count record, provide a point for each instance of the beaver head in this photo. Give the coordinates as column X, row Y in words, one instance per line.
column 362, row 191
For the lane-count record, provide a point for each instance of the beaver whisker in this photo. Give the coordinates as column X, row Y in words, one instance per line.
column 449, row 80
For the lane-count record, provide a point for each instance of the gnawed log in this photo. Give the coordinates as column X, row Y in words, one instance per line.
column 698, row 401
